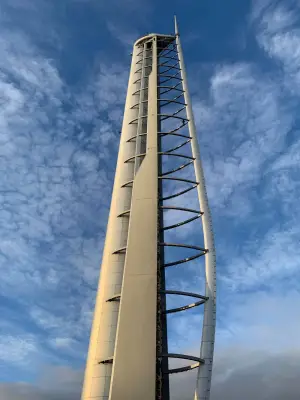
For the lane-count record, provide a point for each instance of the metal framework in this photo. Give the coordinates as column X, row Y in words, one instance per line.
column 128, row 353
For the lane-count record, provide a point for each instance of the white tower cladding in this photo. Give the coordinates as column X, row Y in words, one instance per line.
column 128, row 353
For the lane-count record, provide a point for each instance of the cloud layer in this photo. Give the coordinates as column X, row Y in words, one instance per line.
column 58, row 145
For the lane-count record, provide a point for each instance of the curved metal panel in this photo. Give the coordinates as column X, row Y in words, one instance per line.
column 201, row 253
column 184, row 260
column 170, row 68
column 117, row 297
column 133, row 157
column 170, row 58
column 170, row 77
column 139, row 90
column 183, row 245
column 166, row 116
column 189, row 294
column 107, row 361
column 178, row 111
column 181, row 209
column 136, row 105
column 178, row 179
column 199, row 214
column 124, row 213
column 173, row 98
column 126, row 184
column 165, row 63
column 169, row 50
column 138, row 80
column 170, row 88
column 177, row 169
column 168, row 101
column 134, row 121
column 183, row 369
column 120, row 250
column 178, row 147
column 178, row 128
column 186, row 221
column 144, row 58
column 183, row 357
column 172, row 196
column 135, row 136
column 173, row 133
column 163, row 153
column 184, row 308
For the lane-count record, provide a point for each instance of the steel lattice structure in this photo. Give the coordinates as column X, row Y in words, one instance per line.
column 128, row 354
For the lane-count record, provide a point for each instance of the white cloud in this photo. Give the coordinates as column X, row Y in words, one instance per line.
column 260, row 261
column 122, row 35
column 290, row 158
column 260, row 347
column 279, row 35
column 56, row 144
column 55, row 200
column 17, row 350
column 242, row 126
column 62, row 343
column 258, row 320
column 67, row 386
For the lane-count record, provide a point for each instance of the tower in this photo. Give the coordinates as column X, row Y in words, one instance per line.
column 128, row 353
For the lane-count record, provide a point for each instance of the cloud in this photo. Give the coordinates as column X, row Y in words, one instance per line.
column 245, row 375
column 36, row 19
column 256, row 321
column 251, row 352
column 67, row 386
column 278, row 34
column 55, row 194
column 57, row 143
column 247, row 122
column 289, row 159
column 125, row 37
column 244, row 102
column 283, row 182
column 17, row 349
column 271, row 259
column 272, row 378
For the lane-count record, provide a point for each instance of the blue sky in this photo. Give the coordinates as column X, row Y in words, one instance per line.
column 63, row 74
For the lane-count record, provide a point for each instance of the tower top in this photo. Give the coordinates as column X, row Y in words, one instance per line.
column 150, row 36
column 176, row 25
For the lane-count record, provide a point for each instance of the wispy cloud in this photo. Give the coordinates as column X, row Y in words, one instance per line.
column 125, row 37
column 273, row 257
column 58, row 145
column 17, row 349
column 253, row 352
column 278, row 34
column 245, row 104
column 55, row 187
column 67, row 386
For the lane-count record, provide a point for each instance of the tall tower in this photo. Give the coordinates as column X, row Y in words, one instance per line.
column 128, row 353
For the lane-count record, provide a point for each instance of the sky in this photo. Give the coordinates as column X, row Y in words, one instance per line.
column 64, row 67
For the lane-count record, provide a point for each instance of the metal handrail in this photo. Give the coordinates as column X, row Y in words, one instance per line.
column 178, row 193
column 171, row 171
column 178, row 146
column 178, row 179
